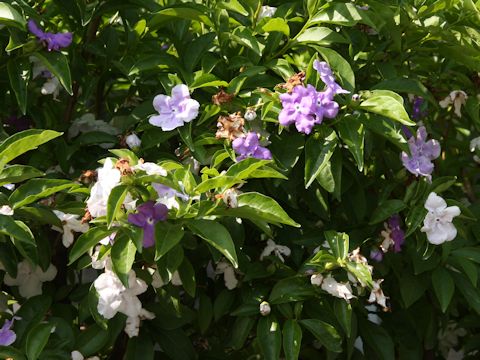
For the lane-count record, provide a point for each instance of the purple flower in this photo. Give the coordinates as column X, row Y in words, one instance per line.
column 422, row 152
column 176, row 110
column 7, row 336
column 328, row 78
column 376, row 255
column 249, row 146
column 148, row 215
column 396, row 232
column 51, row 40
column 417, row 112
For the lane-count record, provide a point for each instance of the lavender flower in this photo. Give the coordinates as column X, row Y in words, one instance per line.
column 148, row 215
column 422, row 152
column 176, row 110
column 376, row 255
column 417, row 112
column 50, row 40
column 328, row 78
column 249, row 146
column 299, row 108
column 396, row 232
column 7, row 336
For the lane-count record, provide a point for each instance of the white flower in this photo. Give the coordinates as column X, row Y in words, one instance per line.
column 150, row 168
column 115, row 297
column 228, row 272
column 377, row 294
column 474, row 145
column 457, row 98
column 229, row 197
column 278, row 250
column 6, row 210
column 340, row 290
column 316, row 279
column 77, row 355
column 9, row 186
column 133, row 141
column 266, row 11
column 108, row 178
column 250, row 115
column 438, row 222
column 168, row 196
column 265, row 308
column 51, row 87
column 158, row 281
column 455, row 355
column 70, row 223
column 29, row 280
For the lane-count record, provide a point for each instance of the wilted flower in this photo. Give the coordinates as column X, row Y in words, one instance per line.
column 114, row 297
column 70, row 224
column 438, row 222
column 377, row 295
column 176, row 110
column 277, row 250
column 393, row 235
column 50, row 40
column 108, row 177
column 148, row 215
column 229, row 197
column 340, row 290
column 7, row 336
column 29, row 280
column 133, row 141
column 293, row 81
column 422, row 152
column 264, row 308
column 249, row 146
column 457, row 98
column 230, row 127
column 266, row 11
column 225, row 268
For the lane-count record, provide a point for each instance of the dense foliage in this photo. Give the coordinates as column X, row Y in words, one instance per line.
column 239, row 179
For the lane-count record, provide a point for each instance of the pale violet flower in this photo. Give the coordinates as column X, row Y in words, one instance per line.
column 266, row 11
column 228, row 272
column 108, row 177
column 458, row 98
column 168, row 196
column 133, row 141
column 6, row 210
column 176, row 110
column 264, row 308
column 438, row 222
column 377, row 296
column 7, row 335
column 114, row 297
column 29, row 280
column 150, row 168
column 340, row 290
column 277, row 250
column 70, row 224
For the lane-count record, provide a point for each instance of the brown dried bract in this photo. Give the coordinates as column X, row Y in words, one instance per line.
column 222, row 97
column 293, row 81
column 124, row 166
column 230, row 127
column 87, row 217
column 88, row 177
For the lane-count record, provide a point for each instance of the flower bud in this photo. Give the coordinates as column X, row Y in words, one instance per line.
column 133, row 141
column 316, row 279
column 250, row 115
column 265, row 308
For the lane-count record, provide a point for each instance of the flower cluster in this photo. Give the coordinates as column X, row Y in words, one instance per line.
column 305, row 106
column 249, row 146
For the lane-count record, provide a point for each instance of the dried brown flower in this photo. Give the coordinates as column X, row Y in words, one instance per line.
column 222, row 97
column 87, row 217
column 124, row 166
column 294, row 80
column 88, row 177
column 230, row 127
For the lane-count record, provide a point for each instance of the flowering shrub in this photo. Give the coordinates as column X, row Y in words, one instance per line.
column 239, row 179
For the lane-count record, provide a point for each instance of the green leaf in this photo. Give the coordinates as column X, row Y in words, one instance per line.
column 352, row 133
column 320, row 36
column 8, row 352
column 469, row 252
column 244, row 36
column 88, row 240
column 276, row 24
column 292, row 339
column 92, row 340
column 344, row 14
column 196, row 13
column 339, row 243
column 386, row 209
column 414, row 218
column 377, row 338
column 318, row 151
column 343, row 313
column 361, row 272
column 37, row 338
column 411, row 289
column 24, row 141
column 19, row 74
column 443, row 286
column 385, row 128
column 140, row 347
column 205, row 313
column 290, row 290
column 57, row 64
column 187, row 275
column 469, row 292
column 16, row 229
column 243, row 169
column 240, row 331
column 387, row 106
column 325, row 333
column 338, row 64
column 204, row 80
column 216, row 235
column 115, row 201
column 11, row 17
column 408, row 86
column 37, row 189
column 166, row 237
column 217, row 182
column 123, row 256
column 269, row 337
column 93, row 307
column 233, row 5
column 18, row 173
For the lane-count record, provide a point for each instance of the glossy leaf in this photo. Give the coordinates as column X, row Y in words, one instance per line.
column 37, row 189
column 292, row 339
column 269, row 337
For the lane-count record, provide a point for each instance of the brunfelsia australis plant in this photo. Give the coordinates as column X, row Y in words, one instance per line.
column 241, row 179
